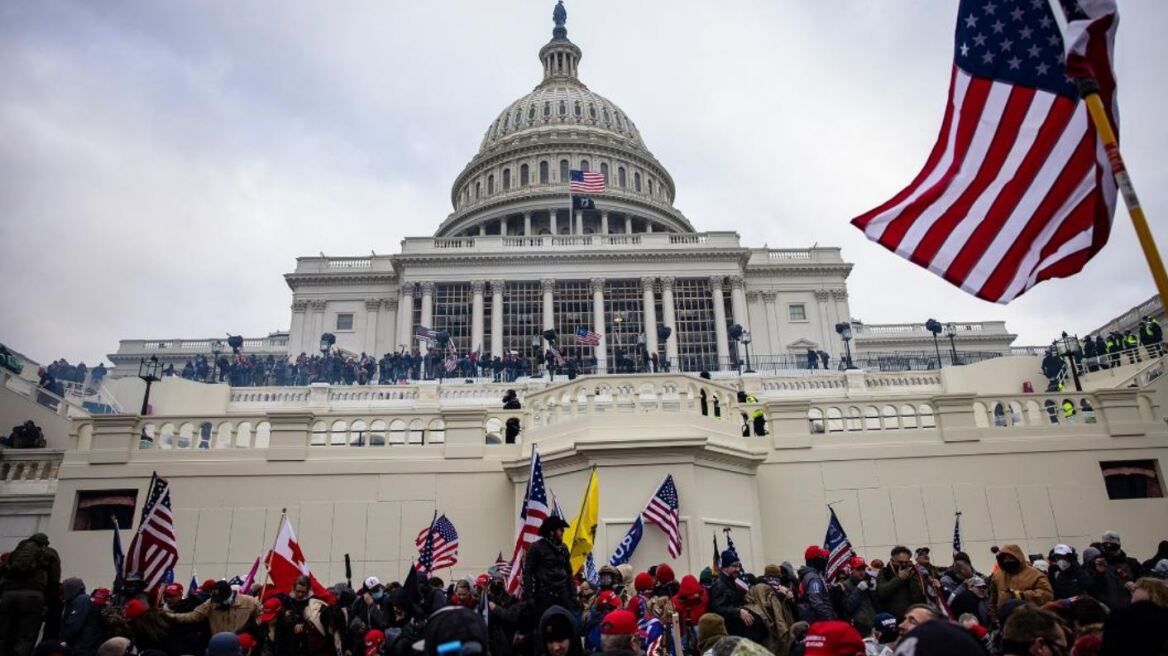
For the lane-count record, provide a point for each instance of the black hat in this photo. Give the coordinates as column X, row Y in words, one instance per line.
column 550, row 524
column 456, row 625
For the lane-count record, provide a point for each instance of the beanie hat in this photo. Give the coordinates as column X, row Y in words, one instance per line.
column 886, row 627
column 1110, row 537
column 643, row 582
column 711, row 628
column 224, row 644
column 665, row 574
column 940, row 639
column 730, row 557
column 134, row 609
column 833, row 639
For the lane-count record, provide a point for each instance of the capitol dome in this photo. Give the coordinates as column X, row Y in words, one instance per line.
column 517, row 183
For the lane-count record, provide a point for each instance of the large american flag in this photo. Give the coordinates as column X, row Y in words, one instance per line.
column 1018, row 188
column 838, row 547
column 663, row 511
column 585, row 336
column 437, row 546
column 586, row 182
column 531, row 515
column 154, row 550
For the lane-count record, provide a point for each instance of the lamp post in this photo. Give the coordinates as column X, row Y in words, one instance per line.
column 934, row 326
column 746, row 343
column 844, row 328
column 1069, row 347
column 216, row 349
column 736, row 332
column 148, row 371
column 951, row 333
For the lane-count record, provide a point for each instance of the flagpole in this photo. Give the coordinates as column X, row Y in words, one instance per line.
column 1089, row 90
column 268, row 556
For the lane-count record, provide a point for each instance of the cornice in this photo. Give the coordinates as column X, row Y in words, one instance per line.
column 844, row 268
column 297, row 280
column 682, row 257
column 541, row 198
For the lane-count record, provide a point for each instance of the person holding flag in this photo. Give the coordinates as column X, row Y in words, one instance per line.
column 547, row 572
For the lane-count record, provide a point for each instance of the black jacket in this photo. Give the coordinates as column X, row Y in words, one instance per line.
column 547, row 572
column 81, row 625
column 727, row 599
column 575, row 645
column 896, row 595
column 1070, row 583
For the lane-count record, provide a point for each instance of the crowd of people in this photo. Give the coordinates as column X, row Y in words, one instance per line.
column 1098, row 602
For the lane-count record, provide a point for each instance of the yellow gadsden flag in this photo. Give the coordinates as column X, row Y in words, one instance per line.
column 581, row 533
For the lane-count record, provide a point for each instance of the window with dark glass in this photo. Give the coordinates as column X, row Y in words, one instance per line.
column 543, row 173
column 96, row 510
column 478, row 189
column 584, row 165
column 563, row 108
column 345, row 321
column 564, row 170
column 506, row 179
column 620, row 177
column 579, row 110
column 1131, row 479
column 636, row 182
column 524, row 175
column 604, row 172
column 547, row 109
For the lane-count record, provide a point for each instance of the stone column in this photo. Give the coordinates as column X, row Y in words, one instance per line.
column 427, row 318
column 372, row 310
column 839, row 299
column 552, row 222
column 503, row 227
column 497, row 318
column 318, row 307
column 826, row 331
column 598, row 326
column 386, row 326
column 527, row 224
column 482, row 229
column 549, row 320
column 405, row 315
column 720, row 321
column 299, row 327
column 649, row 312
column 738, row 301
column 628, row 225
column 670, row 320
column 476, row 315
column 579, row 222
column 604, row 223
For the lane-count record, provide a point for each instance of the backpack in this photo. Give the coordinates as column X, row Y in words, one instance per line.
column 25, row 561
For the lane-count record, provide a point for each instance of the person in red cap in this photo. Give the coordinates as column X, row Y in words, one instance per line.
column 619, row 634
column 606, row 602
column 247, row 644
column 147, row 625
column 643, row 583
column 374, row 639
column 859, row 596
column 815, row 605
column 833, row 638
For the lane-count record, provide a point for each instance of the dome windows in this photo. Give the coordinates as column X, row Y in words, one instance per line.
column 478, row 190
column 604, row 172
column 604, row 113
column 543, row 172
column 564, row 170
column 506, row 121
column 637, row 182
column 507, row 180
column 524, row 175
column 518, row 117
column 563, row 108
column 579, row 110
column 592, row 111
column 650, row 186
column 491, row 184
column 621, row 180
column 547, row 109
column 531, row 113
column 584, row 165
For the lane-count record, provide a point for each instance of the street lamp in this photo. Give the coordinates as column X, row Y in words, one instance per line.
column 844, row 328
column 216, row 349
column 951, row 333
column 1069, row 347
column 148, row 371
column 934, row 326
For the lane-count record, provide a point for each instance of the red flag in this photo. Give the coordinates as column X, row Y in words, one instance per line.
column 286, row 562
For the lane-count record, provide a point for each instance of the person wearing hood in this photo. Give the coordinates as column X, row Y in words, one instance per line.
column 1067, row 578
column 711, row 629
column 28, row 578
column 558, row 634
column 772, row 628
column 547, row 572
column 226, row 611
column 1161, row 554
column 727, row 597
column 666, row 581
column 816, row 603
column 1016, row 579
column 80, row 621
column 691, row 602
column 898, row 587
column 643, row 585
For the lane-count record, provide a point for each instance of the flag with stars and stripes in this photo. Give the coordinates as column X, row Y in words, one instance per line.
column 663, row 510
column 154, row 549
column 586, row 182
column 1018, row 188
column 956, row 532
column 838, row 547
column 531, row 516
column 587, row 337
column 437, row 545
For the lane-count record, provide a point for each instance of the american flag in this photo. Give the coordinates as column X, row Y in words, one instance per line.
column 451, row 356
column 531, row 515
column 586, row 182
column 556, row 355
column 154, row 549
column 956, row 532
column 654, row 632
column 437, row 545
column 839, row 548
column 425, row 334
column 1018, row 188
column 585, row 336
column 663, row 511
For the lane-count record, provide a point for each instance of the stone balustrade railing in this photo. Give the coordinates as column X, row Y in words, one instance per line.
column 24, row 467
column 502, row 244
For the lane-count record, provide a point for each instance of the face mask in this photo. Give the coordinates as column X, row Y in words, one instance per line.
column 379, row 595
column 1011, row 566
column 1064, row 565
column 1110, row 548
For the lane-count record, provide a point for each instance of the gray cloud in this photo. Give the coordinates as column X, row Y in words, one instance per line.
column 164, row 163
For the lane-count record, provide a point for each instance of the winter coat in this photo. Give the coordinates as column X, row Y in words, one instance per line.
column 691, row 601
column 816, row 604
column 895, row 595
column 1161, row 554
column 1028, row 584
column 726, row 599
column 233, row 618
column 764, row 603
column 1070, row 583
column 964, row 601
column 575, row 648
column 81, row 629
column 858, row 606
column 547, row 573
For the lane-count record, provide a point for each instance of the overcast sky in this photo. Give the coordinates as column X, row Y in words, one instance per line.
column 162, row 164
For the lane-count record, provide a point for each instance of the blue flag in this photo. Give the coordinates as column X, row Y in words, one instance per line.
column 628, row 544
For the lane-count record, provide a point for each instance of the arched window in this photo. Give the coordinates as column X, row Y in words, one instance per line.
column 547, row 109
column 584, row 165
column 650, row 186
column 524, row 175
column 564, row 170
column 478, row 190
column 563, row 108
column 620, row 179
column 506, row 179
column 592, row 111
column 531, row 112
column 604, row 112
column 604, row 172
column 620, row 121
column 491, row 183
column 579, row 110
column 518, row 117
column 506, row 121
column 543, row 172
column 636, row 181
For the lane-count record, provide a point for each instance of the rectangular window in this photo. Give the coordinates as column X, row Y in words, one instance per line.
column 572, row 307
column 95, row 510
column 452, row 313
column 1131, row 479
column 345, row 321
column 797, row 312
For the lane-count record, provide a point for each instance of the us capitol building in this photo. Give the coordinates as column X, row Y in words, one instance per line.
column 361, row 469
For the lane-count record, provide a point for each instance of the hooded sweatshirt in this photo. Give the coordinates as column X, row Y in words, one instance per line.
column 1028, row 584
column 689, row 610
column 558, row 614
column 711, row 629
column 81, row 620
